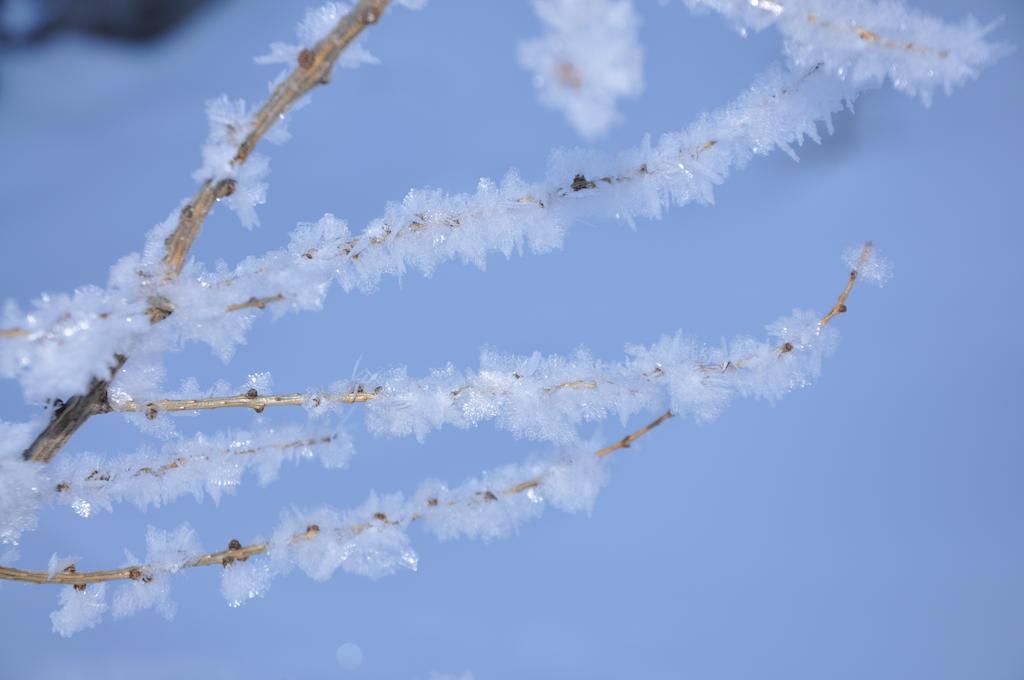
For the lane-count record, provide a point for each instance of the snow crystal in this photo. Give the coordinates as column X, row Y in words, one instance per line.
column 589, row 58
column 877, row 269
column 8, row 558
column 361, row 541
column 573, row 485
column 171, row 550
column 79, row 609
column 315, row 26
column 203, row 465
column 150, row 591
column 230, row 122
column 241, row 581
column 21, row 481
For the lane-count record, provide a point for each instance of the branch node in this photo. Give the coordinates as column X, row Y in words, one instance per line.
column 226, row 187
column 233, row 545
column 580, row 182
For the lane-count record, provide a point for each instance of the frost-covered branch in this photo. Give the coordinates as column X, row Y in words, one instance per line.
column 571, row 483
column 870, row 41
column 313, row 68
column 540, row 398
column 238, row 552
column 547, row 398
column 203, row 465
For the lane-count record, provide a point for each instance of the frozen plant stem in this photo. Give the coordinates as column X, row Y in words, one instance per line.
column 238, row 552
column 361, row 395
column 314, row 68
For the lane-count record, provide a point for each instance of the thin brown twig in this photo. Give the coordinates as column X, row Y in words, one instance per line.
column 314, row 68
column 236, row 551
column 255, row 303
column 251, row 399
column 840, row 306
column 360, row 395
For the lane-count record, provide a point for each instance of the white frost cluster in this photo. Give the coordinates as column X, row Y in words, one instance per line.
column 203, row 465
column 169, row 550
column 21, row 482
column 877, row 269
column 230, row 122
column 242, row 581
column 870, row 41
column 152, row 593
column 166, row 553
column 79, row 609
column 588, row 58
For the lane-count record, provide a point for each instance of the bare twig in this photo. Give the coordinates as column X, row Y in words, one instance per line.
column 236, row 551
column 840, row 306
column 314, row 68
column 251, row 399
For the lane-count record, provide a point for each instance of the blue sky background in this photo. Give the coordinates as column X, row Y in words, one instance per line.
column 869, row 526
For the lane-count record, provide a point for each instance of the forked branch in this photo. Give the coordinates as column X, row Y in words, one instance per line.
column 314, row 68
